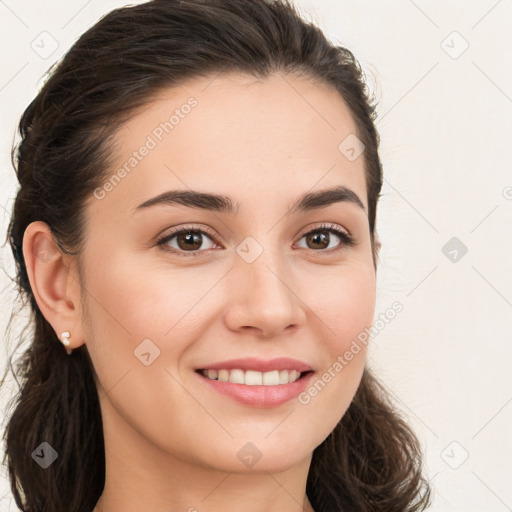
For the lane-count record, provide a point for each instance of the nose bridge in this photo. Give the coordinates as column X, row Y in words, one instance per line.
column 263, row 296
column 268, row 264
column 268, row 274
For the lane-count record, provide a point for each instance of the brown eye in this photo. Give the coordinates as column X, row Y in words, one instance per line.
column 318, row 239
column 323, row 239
column 187, row 241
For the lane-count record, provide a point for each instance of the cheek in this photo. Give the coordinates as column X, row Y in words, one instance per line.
column 351, row 310
column 138, row 307
column 141, row 298
column 132, row 310
column 345, row 305
column 341, row 302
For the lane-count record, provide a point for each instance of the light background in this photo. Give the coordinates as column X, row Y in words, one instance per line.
column 446, row 127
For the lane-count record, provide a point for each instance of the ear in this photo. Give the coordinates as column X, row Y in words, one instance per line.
column 377, row 244
column 54, row 282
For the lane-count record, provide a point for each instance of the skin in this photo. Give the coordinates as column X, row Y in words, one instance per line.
column 171, row 442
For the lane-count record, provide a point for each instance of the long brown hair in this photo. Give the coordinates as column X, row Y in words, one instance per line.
column 372, row 460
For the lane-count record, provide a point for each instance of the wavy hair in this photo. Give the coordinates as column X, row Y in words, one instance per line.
column 372, row 460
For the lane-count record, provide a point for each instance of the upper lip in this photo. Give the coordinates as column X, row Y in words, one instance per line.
column 259, row 365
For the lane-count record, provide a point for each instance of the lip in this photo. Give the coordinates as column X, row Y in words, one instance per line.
column 259, row 365
column 258, row 396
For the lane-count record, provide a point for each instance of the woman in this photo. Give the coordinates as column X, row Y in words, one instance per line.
column 196, row 225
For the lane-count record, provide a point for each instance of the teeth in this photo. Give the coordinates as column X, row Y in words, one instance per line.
column 271, row 378
column 253, row 378
column 223, row 375
column 236, row 377
column 213, row 374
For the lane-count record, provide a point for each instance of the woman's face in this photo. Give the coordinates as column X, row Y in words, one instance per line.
column 251, row 281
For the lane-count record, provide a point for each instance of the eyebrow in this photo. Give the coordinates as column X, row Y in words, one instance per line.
column 224, row 204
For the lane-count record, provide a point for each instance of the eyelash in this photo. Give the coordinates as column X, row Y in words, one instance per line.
column 347, row 240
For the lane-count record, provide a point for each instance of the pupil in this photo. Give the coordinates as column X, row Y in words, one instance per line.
column 319, row 238
column 190, row 240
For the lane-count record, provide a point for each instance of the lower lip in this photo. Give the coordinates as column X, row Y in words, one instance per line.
column 259, row 396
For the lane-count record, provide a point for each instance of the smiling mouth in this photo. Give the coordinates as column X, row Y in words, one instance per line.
column 254, row 378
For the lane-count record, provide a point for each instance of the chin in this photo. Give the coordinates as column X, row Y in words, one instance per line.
column 257, row 457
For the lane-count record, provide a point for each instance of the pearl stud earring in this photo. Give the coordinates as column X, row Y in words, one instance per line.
column 65, row 341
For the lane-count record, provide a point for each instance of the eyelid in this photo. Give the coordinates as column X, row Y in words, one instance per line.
column 347, row 240
column 325, row 226
column 342, row 233
column 179, row 229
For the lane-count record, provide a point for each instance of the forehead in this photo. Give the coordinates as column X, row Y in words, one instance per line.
column 237, row 135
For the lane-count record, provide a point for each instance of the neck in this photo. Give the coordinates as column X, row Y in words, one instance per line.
column 270, row 492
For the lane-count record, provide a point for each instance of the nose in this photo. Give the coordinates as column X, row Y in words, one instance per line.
column 264, row 297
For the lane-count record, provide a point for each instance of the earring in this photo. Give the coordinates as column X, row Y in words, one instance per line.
column 65, row 341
